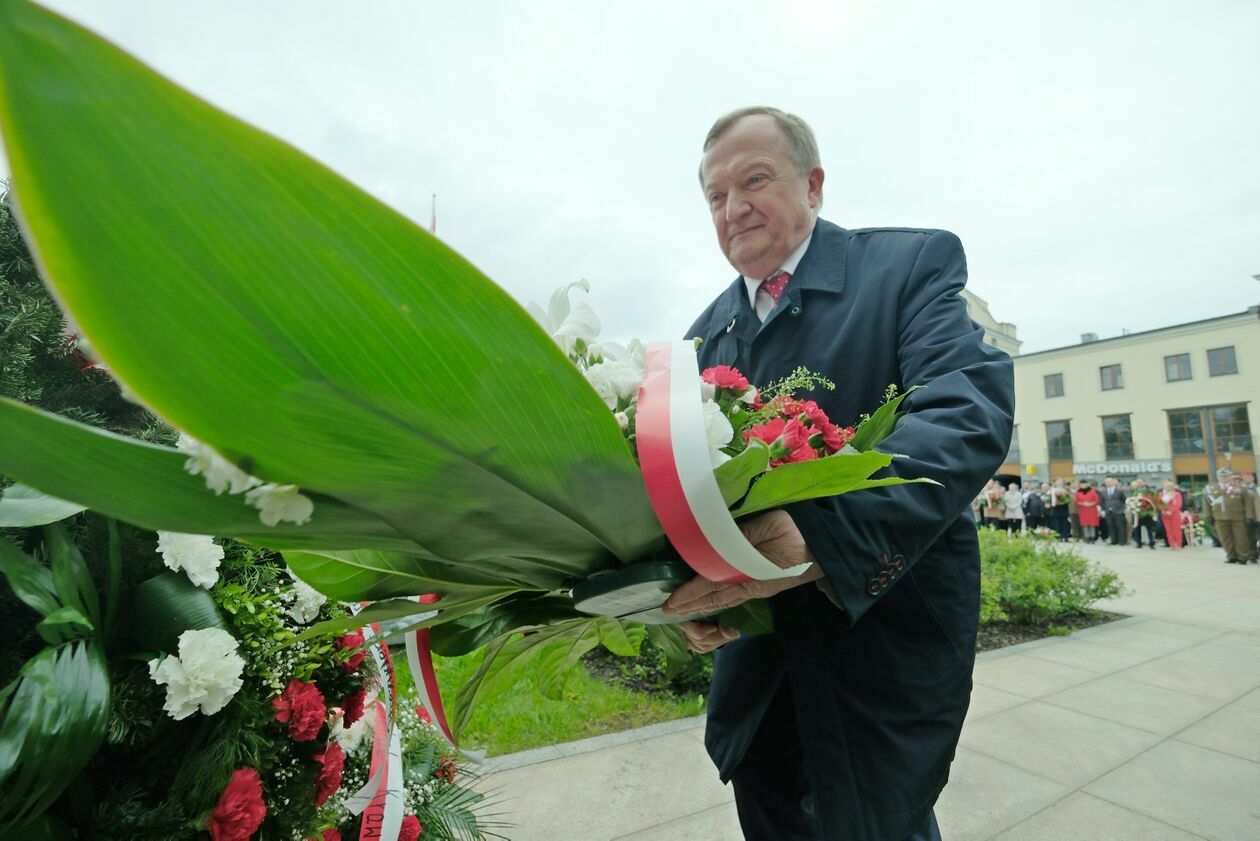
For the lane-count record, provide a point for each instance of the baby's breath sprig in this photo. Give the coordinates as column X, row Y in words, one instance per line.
column 801, row 379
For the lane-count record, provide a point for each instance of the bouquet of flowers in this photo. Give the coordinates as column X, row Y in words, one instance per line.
column 1144, row 503
column 1059, row 496
column 1043, row 533
column 333, row 368
column 217, row 717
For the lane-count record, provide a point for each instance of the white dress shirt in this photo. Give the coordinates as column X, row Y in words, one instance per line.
column 760, row 301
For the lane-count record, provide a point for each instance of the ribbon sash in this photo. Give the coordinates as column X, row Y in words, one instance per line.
column 678, row 473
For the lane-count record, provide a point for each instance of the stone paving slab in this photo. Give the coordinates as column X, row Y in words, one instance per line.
column 1198, row 790
column 1081, row 817
column 1148, row 728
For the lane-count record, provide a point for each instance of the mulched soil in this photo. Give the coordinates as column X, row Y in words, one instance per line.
column 1001, row 634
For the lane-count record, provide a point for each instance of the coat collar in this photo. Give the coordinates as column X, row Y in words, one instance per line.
column 821, row 269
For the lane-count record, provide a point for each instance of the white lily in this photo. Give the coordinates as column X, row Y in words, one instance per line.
column 567, row 323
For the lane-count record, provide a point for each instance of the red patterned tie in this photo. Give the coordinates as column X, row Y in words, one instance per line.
column 774, row 285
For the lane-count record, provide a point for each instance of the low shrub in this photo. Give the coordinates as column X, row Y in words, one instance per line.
column 1031, row 581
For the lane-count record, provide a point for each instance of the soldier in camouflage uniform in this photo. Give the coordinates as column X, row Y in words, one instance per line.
column 1233, row 509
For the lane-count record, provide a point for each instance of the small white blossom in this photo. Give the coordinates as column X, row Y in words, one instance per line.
column 205, row 675
column 306, row 603
column 718, row 431
column 277, row 503
column 196, row 554
column 353, row 737
column 623, row 420
column 564, row 323
column 220, row 474
column 615, row 380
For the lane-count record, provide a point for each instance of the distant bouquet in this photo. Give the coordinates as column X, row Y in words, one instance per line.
column 1143, row 503
column 1043, row 533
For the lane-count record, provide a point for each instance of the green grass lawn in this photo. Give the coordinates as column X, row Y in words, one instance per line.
column 522, row 718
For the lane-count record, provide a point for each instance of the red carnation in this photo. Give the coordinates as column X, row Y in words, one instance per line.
column 333, row 762
column 724, row 376
column 240, row 810
column 795, row 435
column 768, row 431
column 351, row 641
column 411, row 829
column 352, row 708
column 301, row 705
column 332, row 835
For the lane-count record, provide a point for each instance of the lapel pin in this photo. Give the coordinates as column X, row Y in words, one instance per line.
column 731, row 326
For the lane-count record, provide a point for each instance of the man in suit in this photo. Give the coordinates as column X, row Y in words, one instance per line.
column 1113, row 512
column 842, row 723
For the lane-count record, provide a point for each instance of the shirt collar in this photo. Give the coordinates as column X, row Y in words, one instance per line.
column 789, row 266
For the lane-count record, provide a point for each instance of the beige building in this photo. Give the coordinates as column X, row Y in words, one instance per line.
column 1000, row 334
column 1176, row 402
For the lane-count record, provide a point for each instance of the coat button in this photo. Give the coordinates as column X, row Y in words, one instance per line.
column 873, row 587
column 795, row 310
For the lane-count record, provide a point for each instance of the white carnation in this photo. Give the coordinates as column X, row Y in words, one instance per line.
column 196, row 554
column 220, row 474
column 205, row 675
column 356, row 735
column 306, row 601
column 718, row 431
column 623, row 420
column 276, row 503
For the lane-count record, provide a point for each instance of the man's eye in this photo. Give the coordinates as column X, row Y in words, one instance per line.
column 715, row 198
column 755, row 180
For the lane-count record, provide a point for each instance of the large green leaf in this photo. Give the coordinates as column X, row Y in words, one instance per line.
column 161, row 608
column 22, row 507
column 71, row 576
column 735, row 476
column 270, row 308
column 147, row 485
column 452, row 639
column 52, row 720
column 31, row 581
column 880, row 424
column 837, row 474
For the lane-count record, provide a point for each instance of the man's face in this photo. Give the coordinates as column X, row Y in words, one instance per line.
column 762, row 206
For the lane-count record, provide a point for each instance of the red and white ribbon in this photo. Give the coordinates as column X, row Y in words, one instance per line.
column 381, row 800
column 677, row 470
column 420, row 658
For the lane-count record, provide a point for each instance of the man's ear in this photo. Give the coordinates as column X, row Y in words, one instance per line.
column 815, row 187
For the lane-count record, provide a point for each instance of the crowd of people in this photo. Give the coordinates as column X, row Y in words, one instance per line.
column 1118, row 512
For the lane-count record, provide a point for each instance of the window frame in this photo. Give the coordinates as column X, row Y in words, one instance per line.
column 1102, row 379
column 1107, row 445
column 1045, row 385
column 1050, row 446
column 1179, row 357
column 1233, row 358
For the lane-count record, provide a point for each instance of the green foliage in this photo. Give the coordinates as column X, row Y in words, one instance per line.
column 1032, row 582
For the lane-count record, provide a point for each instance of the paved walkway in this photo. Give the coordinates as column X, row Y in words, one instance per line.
column 1148, row 728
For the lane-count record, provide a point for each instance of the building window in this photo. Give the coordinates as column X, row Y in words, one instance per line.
column 1054, row 385
column 1221, row 361
column 1185, row 428
column 1111, row 377
column 1194, row 481
column 1059, row 439
column 1118, row 436
column 1177, row 367
column 1232, row 429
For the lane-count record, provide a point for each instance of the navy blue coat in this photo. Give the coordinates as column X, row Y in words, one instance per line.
column 881, row 681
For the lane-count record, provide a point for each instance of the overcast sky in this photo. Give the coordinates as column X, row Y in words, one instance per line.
column 1099, row 160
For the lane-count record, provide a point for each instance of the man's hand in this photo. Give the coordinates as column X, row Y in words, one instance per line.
column 775, row 536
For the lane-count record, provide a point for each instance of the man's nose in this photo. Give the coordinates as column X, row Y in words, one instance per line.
column 736, row 206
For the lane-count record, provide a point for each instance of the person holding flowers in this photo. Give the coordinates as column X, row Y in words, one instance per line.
column 1170, row 513
column 1087, row 509
column 843, row 721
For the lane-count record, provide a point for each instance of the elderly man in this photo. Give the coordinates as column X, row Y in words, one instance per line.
column 842, row 723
